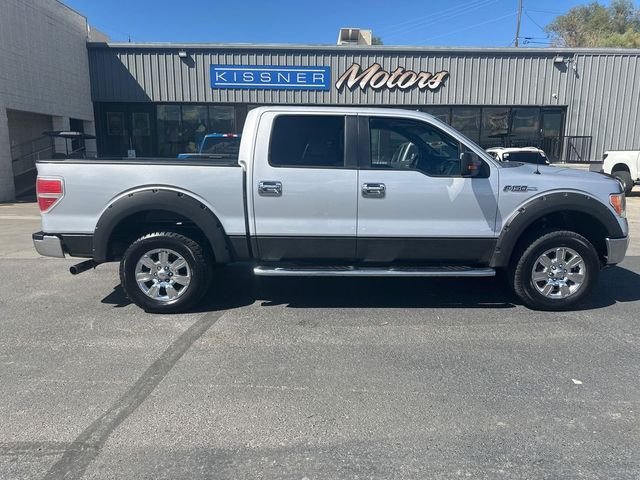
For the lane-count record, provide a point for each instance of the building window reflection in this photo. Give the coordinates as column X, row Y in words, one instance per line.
column 495, row 126
column 181, row 128
column 169, row 130
column 467, row 121
column 177, row 128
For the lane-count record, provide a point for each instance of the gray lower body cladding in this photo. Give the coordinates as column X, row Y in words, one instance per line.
column 73, row 244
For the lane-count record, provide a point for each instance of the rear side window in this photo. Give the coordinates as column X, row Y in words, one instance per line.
column 307, row 141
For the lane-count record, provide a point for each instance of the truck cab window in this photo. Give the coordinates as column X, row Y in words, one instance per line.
column 307, row 141
column 398, row 143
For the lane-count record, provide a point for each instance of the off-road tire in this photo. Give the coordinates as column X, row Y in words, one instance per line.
column 198, row 258
column 521, row 270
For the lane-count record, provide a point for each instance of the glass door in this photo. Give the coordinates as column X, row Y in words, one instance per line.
column 141, row 125
column 126, row 126
column 551, row 129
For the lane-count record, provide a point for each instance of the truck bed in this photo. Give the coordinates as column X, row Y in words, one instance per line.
column 90, row 186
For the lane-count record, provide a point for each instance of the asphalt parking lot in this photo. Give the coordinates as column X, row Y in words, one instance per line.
column 312, row 378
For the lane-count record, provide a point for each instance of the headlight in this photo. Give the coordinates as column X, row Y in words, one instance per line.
column 619, row 203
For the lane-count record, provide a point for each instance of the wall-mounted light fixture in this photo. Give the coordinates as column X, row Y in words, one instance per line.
column 558, row 59
column 182, row 54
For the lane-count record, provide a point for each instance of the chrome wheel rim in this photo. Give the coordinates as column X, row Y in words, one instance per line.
column 559, row 273
column 163, row 274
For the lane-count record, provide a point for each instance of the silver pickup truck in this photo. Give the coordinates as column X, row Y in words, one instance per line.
column 335, row 192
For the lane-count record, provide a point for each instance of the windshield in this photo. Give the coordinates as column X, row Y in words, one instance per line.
column 222, row 146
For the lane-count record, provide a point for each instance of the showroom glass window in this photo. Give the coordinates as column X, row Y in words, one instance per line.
column 194, row 127
column 441, row 113
column 222, row 119
column 400, row 144
column 181, row 128
column 307, row 141
column 525, row 126
column 495, row 126
column 467, row 121
column 169, row 130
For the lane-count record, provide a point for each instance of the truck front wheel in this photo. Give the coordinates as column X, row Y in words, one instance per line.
column 555, row 270
column 165, row 272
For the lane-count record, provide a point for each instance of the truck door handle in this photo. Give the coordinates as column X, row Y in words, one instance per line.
column 270, row 189
column 373, row 190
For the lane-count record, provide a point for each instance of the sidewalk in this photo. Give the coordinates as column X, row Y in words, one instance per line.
column 17, row 222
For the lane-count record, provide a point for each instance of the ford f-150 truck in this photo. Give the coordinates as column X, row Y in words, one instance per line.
column 329, row 191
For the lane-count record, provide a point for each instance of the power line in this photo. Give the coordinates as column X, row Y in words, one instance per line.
column 526, row 12
column 546, row 11
column 410, row 25
column 469, row 27
column 441, row 19
column 400, row 25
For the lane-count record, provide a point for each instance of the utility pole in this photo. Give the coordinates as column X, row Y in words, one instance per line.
column 518, row 24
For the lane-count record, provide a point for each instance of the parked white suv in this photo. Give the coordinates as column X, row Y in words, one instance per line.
column 519, row 154
column 624, row 165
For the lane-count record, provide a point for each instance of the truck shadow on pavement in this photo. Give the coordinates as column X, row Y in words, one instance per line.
column 236, row 286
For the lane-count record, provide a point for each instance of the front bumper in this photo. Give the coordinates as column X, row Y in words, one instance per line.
column 616, row 249
column 48, row 245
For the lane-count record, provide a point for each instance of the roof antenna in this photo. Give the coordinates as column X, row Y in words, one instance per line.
column 537, row 172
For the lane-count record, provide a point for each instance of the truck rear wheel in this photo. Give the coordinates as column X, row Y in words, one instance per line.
column 555, row 271
column 625, row 178
column 165, row 272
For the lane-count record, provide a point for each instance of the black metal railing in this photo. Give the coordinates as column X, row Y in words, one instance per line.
column 577, row 149
column 25, row 155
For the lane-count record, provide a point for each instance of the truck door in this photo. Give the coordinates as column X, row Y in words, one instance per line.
column 413, row 203
column 304, row 186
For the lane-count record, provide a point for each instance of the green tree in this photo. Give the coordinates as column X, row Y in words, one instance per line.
column 376, row 40
column 595, row 25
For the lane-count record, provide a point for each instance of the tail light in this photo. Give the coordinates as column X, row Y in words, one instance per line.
column 49, row 191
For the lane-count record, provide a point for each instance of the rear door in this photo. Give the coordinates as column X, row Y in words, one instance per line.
column 414, row 205
column 305, row 184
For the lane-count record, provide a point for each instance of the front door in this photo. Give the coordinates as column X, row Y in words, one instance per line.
column 140, row 131
column 414, row 205
column 305, row 187
column 551, row 130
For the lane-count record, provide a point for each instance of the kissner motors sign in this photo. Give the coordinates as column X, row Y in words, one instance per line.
column 377, row 78
column 319, row 78
column 270, row 77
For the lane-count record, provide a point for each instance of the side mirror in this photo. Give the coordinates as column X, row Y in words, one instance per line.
column 470, row 164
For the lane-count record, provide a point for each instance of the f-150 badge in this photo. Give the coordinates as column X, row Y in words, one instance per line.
column 519, row 188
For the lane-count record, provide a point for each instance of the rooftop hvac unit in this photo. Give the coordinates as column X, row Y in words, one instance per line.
column 354, row 36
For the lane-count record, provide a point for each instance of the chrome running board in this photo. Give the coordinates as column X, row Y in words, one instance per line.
column 350, row 271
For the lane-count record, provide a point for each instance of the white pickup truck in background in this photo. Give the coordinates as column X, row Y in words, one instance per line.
column 333, row 191
column 624, row 165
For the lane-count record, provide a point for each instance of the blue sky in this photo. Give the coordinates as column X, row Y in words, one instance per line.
column 399, row 22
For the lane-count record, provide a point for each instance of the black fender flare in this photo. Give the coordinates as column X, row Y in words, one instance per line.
column 538, row 207
column 160, row 199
